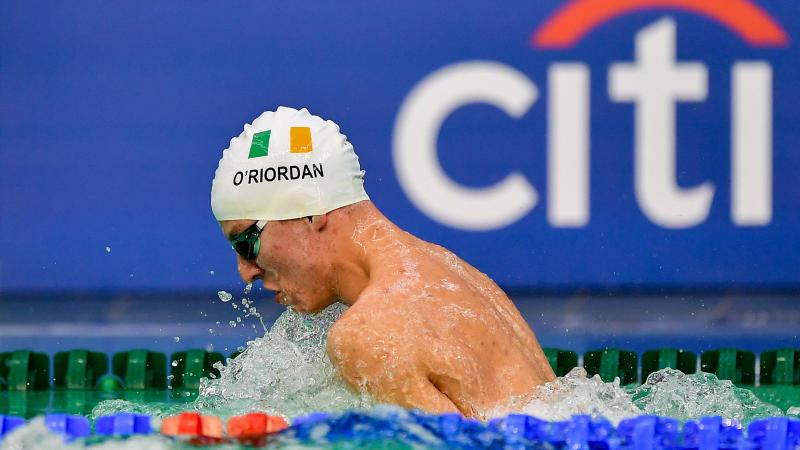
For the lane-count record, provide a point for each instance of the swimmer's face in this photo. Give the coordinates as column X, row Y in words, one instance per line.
column 290, row 262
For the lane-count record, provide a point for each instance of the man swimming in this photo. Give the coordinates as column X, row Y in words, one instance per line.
column 424, row 329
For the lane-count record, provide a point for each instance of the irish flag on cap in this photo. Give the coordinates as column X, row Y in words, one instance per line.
column 299, row 142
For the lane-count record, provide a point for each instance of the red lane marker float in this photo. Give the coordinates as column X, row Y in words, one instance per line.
column 255, row 424
column 201, row 429
column 255, row 428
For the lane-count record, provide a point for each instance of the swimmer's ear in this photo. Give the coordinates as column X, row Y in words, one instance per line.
column 318, row 222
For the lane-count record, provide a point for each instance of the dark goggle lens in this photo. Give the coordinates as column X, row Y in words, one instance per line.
column 248, row 242
column 245, row 249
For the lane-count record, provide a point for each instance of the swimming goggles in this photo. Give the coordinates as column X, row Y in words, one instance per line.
column 248, row 242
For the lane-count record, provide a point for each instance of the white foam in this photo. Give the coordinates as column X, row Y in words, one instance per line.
column 286, row 372
column 577, row 394
column 669, row 392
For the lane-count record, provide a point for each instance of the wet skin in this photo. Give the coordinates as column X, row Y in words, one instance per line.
column 424, row 329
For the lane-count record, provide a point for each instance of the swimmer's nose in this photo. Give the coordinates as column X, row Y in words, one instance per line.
column 249, row 270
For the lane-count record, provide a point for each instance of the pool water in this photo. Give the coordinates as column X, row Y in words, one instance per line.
column 287, row 372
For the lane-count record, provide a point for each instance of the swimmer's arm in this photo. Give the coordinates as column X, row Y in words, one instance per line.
column 387, row 375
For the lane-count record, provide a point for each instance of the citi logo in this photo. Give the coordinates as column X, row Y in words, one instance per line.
column 654, row 82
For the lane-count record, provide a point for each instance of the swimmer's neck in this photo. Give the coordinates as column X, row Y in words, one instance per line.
column 365, row 239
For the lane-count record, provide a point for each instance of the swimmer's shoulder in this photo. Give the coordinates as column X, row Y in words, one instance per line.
column 363, row 313
column 360, row 341
column 375, row 314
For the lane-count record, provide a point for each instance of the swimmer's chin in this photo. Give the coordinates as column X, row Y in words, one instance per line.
column 282, row 299
column 290, row 302
column 298, row 305
column 305, row 309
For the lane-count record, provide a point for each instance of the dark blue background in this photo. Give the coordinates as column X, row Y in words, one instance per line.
column 113, row 116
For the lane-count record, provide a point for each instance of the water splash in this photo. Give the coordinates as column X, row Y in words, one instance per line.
column 250, row 309
column 286, row 372
column 669, row 392
column 575, row 393
column 248, row 306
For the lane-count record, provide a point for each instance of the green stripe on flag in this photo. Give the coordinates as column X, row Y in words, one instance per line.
column 260, row 145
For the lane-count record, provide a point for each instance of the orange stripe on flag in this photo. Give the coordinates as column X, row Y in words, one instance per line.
column 300, row 140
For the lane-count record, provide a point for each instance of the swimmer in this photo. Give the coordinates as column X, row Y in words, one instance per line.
column 424, row 329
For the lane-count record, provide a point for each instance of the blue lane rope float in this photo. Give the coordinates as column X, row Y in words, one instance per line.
column 69, row 426
column 8, row 423
column 123, row 424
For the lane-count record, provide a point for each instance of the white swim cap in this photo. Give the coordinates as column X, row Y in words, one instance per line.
column 287, row 164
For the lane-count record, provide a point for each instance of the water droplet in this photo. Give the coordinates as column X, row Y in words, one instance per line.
column 108, row 249
column 232, row 323
column 210, row 331
column 239, row 319
column 248, row 288
column 175, row 363
column 211, row 272
column 177, row 339
column 224, row 296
